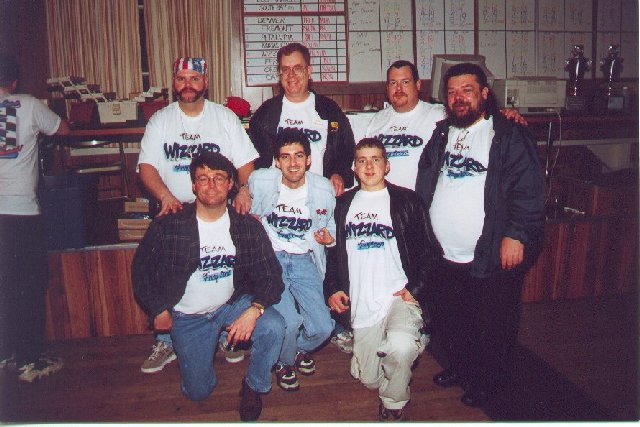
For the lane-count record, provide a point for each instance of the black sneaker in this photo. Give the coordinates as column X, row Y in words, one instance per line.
column 286, row 377
column 250, row 403
column 305, row 363
column 385, row 414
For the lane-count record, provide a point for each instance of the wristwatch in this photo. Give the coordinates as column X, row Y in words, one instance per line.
column 260, row 307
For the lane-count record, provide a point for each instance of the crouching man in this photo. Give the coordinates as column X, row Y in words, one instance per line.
column 377, row 269
column 206, row 269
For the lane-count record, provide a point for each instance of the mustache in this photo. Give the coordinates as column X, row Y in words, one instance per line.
column 460, row 104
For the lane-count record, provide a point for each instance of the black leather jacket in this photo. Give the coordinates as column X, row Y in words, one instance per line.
column 338, row 156
column 410, row 225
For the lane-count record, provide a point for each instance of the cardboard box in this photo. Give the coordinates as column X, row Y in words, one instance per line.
column 133, row 223
column 139, row 205
column 117, row 111
column 127, row 234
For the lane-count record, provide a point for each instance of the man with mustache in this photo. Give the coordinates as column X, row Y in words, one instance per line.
column 406, row 126
column 176, row 134
column 482, row 182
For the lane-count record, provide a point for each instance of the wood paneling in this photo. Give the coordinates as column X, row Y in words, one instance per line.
column 90, row 295
column 585, row 257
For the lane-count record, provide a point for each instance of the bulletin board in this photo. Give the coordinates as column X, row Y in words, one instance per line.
column 356, row 40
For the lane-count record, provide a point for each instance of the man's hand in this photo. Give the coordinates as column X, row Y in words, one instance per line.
column 339, row 302
column 323, row 236
column 242, row 202
column 242, row 328
column 511, row 253
column 405, row 295
column 163, row 322
column 338, row 183
column 513, row 114
column 169, row 205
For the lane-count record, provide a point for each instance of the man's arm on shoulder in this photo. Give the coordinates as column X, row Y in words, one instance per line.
column 242, row 201
column 153, row 183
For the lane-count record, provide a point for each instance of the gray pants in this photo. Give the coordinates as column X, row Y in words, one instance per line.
column 384, row 353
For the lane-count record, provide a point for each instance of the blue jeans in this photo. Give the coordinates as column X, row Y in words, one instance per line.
column 195, row 337
column 302, row 287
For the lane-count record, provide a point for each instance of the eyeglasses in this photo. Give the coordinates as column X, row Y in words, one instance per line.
column 396, row 83
column 298, row 70
column 203, row 180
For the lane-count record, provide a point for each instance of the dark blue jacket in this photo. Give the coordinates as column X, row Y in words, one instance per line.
column 513, row 193
column 338, row 156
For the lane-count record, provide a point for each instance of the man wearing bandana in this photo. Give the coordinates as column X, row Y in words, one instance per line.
column 174, row 135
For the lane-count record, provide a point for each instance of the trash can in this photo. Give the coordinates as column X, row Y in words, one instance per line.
column 67, row 203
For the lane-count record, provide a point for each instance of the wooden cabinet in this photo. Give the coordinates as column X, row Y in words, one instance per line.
column 90, row 294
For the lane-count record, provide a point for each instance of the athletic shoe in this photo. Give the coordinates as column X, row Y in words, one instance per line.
column 344, row 341
column 232, row 354
column 42, row 367
column 305, row 363
column 286, row 377
column 161, row 355
column 385, row 414
column 8, row 363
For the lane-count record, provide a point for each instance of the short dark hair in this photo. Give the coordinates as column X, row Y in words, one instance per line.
column 289, row 136
column 402, row 63
column 9, row 69
column 214, row 161
column 294, row 47
column 491, row 106
column 370, row 143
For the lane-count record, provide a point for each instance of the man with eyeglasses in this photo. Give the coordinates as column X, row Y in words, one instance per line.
column 185, row 128
column 320, row 118
column 207, row 269
column 296, row 206
column 377, row 270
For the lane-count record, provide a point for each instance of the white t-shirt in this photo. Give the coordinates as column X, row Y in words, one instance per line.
column 405, row 135
column 303, row 115
column 22, row 118
column 289, row 221
column 457, row 210
column 375, row 268
column 211, row 285
column 171, row 138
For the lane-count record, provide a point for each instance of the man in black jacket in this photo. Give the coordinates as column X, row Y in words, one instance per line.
column 377, row 271
column 322, row 120
column 483, row 185
column 206, row 269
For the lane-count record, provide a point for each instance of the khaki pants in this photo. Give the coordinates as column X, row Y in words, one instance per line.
column 384, row 353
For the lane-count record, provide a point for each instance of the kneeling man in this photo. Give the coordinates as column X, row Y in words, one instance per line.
column 378, row 270
column 206, row 269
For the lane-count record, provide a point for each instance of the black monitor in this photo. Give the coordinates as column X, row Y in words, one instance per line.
column 442, row 62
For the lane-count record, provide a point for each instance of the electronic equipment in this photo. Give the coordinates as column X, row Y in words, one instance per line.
column 526, row 94
column 442, row 62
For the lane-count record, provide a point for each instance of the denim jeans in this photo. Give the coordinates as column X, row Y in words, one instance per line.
column 302, row 304
column 195, row 338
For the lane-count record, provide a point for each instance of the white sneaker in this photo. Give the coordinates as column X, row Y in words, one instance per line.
column 344, row 341
column 160, row 356
column 231, row 353
column 40, row 368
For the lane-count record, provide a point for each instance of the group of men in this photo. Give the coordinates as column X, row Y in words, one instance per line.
column 262, row 238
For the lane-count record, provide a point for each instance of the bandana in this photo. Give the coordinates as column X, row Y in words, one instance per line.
column 196, row 64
